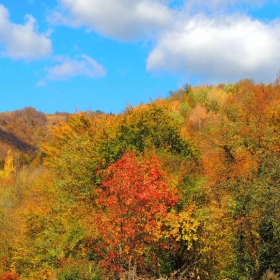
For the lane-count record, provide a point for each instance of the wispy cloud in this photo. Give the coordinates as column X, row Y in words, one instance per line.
column 22, row 41
column 67, row 68
column 193, row 7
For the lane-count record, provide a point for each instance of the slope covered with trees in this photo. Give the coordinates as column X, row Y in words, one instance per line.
column 181, row 188
column 23, row 131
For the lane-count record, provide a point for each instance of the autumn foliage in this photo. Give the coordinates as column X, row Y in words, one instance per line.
column 9, row 276
column 181, row 188
column 133, row 196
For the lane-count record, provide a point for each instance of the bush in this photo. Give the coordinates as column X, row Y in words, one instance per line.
column 75, row 270
column 9, row 276
column 270, row 275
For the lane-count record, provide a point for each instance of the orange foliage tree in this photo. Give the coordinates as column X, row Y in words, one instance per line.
column 9, row 276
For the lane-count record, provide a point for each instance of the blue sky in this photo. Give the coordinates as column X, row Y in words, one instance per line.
column 72, row 55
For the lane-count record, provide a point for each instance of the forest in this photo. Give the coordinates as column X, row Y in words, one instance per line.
column 184, row 187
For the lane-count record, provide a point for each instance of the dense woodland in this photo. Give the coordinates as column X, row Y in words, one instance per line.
column 186, row 187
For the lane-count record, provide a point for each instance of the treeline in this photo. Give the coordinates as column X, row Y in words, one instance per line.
column 182, row 188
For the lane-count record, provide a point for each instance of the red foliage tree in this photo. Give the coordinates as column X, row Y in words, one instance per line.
column 131, row 199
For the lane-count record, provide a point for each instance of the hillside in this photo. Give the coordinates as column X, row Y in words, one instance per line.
column 185, row 187
column 24, row 130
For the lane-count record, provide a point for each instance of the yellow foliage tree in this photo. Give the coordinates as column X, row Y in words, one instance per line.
column 9, row 166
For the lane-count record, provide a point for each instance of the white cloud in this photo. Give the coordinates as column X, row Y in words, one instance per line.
column 209, row 40
column 219, row 49
column 121, row 19
column 68, row 68
column 22, row 41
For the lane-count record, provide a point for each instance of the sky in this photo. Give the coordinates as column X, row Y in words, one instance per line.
column 78, row 55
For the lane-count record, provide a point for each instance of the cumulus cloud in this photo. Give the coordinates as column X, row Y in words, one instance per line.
column 68, row 68
column 210, row 41
column 122, row 19
column 22, row 41
column 219, row 49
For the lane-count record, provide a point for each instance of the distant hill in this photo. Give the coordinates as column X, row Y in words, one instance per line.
column 23, row 131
